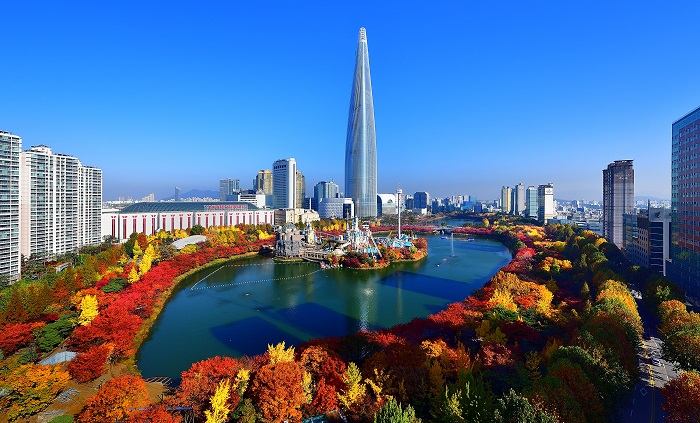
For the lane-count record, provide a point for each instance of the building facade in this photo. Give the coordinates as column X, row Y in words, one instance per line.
column 361, row 141
column 324, row 189
column 531, row 202
column 651, row 245
column 228, row 187
column 336, row 208
column 545, row 202
column 60, row 203
column 506, row 196
column 150, row 218
column 10, row 151
column 618, row 199
column 421, row 200
column 519, row 199
column 284, row 184
column 684, row 268
column 301, row 191
column 263, row 182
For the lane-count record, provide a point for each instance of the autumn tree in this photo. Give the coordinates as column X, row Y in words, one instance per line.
column 392, row 412
column 219, row 407
column 682, row 398
column 88, row 310
column 354, row 387
column 29, row 388
column 200, row 381
column 14, row 310
column 148, row 256
column 278, row 392
column 513, row 408
column 89, row 365
column 117, row 400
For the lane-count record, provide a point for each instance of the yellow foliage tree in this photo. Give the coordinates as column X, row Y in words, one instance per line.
column 147, row 260
column 241, row 381
column 133, row 275
column 219, row 409
column 137, row 250
column 307, row 384
column 88, row 310
column 354, row 388
column 278, row 354
column 29, row 388
column 503, row 298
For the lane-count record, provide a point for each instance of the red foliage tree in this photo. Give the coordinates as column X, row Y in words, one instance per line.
column 200, row 381
column 682, row 398
column 117, row 400
column 325, row 400
column 492, row 354
column 155, row 414
column 89, row 365
column 16, row 336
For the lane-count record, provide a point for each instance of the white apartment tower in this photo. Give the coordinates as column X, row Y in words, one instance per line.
column 10, row 150
column 519, row 200
column 284, row 185
column 545, row 202
column 61, row 203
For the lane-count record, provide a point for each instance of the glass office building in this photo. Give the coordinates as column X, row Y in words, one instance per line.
column 361, row 143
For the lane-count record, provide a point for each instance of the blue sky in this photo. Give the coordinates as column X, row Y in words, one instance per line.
column 469, row 96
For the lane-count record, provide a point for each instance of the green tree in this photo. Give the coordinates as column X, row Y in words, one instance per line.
column 197, row 230
column 391, row 412
column 512, row 408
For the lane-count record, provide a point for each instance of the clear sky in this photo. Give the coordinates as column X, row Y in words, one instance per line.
column 469, row 96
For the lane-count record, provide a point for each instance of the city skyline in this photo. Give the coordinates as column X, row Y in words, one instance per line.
column 463, row 108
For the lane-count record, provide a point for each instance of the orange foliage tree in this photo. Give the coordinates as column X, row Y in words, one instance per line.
column 278, row 391
column 118, row 399
column 682, row 397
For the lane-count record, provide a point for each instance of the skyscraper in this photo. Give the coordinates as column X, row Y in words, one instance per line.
column 506, row 198
column 60, row 203
column 263, row 182
column 10, row 148
column 618, row 198
column 531, row 202
column 519, row 199
column 545, row 202
column 301, row 191
column 228, row 187
column 284, row 185
column 421, row 200
column 361, row 142
column 684, row 268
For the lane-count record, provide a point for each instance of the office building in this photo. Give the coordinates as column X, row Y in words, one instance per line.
column 650, row 246
column 178, row 190
column 301, row 191
column 684, row 268
column 519, row 199
column 421, row 200
column 545, row 203
column 336, row 208
column 361, row 142
column 263, row 182
column 10, row 151
column 284, row 184
column 506, row 195
column 618, row 198
column 228, row 187
column 531, row 202
column 60, row 203
column 324, row 189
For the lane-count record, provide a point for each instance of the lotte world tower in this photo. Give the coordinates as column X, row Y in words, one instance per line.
column 361, row 142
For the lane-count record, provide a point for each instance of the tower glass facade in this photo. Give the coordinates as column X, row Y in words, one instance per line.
column 361, row 143
column 618, row 198
column 684, row 268
column 284, row 185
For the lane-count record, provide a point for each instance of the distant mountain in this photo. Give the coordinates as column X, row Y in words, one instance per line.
column 200, row 193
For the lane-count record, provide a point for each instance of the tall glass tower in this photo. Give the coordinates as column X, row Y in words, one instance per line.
column 361, row 142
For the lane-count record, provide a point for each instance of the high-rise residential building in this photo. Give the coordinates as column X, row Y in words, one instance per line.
column 263, row 182
column 545, row 202
column 228, row 187
column 301, row 191
column 10, row 149
column 531, row 202
column 421, row 200
column 60, row 203
column 284, row 184
column 684, row 268
column 618, row 198
column 361, row 141
column 324, row 189
column 519, row 199
column 506, row 194
column 178, row 191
